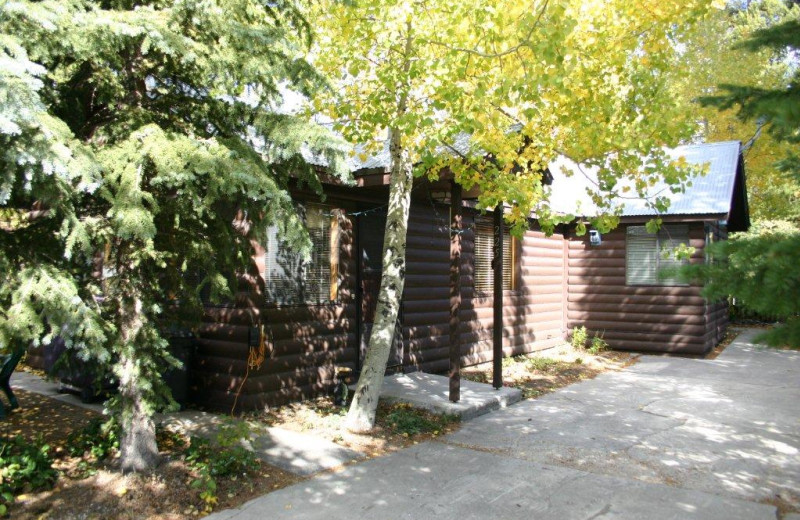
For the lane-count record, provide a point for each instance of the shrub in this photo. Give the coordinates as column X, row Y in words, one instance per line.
column 99, row 438
column 579, row 337
column 24, row 467
column 226, row 456
column 598, row 344
column 760, row 269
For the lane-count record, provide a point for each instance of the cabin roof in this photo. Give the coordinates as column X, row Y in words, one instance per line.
column 714, row 193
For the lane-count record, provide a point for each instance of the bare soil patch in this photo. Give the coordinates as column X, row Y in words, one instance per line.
column 165, row 494
column 543, row 372
column 397, row 425
column 87, row 490
column 42, row 417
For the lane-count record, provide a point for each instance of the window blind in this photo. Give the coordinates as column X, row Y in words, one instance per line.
column 648, row 253
column 484, row 252
column 289, row 279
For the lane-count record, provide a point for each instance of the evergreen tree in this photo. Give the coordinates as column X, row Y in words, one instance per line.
column 134, row 136
column 761, row 268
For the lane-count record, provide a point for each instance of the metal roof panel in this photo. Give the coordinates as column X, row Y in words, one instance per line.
column 708, row 194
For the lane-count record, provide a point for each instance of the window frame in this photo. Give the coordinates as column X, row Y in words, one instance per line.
column 669, row 236
column 331, row 233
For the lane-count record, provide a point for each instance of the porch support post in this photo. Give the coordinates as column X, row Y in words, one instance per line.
column 497, row 265
column 456, row 227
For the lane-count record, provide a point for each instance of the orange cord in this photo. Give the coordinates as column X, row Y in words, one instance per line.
column 255, row 358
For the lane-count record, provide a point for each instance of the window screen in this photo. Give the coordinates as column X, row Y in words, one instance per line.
column 289, row 279
column 483, row 273
column 648, row 253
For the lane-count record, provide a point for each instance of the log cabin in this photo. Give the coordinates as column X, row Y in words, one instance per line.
column 317, row 316
column 313, row 317
column 614, row 288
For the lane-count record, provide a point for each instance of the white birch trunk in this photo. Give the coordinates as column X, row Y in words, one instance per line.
column 361, row 416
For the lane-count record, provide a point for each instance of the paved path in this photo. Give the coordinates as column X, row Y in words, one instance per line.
column 669, row 438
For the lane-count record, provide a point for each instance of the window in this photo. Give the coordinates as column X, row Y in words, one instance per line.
column 647, row 253
column 289, row 279
column 710, row 239
column 483, row 272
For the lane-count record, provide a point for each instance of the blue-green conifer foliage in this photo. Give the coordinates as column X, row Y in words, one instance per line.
column 142, row 148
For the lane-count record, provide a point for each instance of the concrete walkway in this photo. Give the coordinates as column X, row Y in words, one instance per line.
column 669, row 438
column 432, row 392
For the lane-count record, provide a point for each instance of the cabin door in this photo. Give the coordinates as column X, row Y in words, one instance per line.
column 370, row 233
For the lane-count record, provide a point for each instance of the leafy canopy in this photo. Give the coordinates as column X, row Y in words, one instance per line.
column 524, row 81
column 718, row 52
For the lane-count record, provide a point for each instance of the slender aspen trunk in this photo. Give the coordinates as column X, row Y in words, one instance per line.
column 361, row 416
column 138, row 449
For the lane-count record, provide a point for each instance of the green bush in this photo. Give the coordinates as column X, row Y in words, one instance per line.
column 99, row 438
column 224, row 457
column 220, row 461
column 598, row 344
column 760, row 269
column 24, row 467
column 579, row 337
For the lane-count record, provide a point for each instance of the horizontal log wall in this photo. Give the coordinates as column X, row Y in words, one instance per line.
column 307, row 342
column 532, row 314
column 653, row 318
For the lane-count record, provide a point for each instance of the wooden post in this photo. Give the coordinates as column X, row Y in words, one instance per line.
column 455, row 291
column 359, row 292
column 497, row 265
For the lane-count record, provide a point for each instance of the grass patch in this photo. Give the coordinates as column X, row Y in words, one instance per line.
column 543, row 364
column 404, row 419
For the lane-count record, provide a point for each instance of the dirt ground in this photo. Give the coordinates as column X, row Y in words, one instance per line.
column 166, row 494
column 544, row 372
column 87, row 491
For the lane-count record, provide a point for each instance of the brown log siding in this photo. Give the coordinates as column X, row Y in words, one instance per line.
column 308, row 341
column 532, row 312
column 560, row 283
column 655, row 318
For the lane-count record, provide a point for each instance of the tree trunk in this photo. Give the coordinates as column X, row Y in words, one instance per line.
column 361, row 416
column 138, row 449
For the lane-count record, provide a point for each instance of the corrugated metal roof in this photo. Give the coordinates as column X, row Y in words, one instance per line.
column 708, row 194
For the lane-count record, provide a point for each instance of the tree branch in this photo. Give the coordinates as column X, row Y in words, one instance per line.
column 499, row 54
